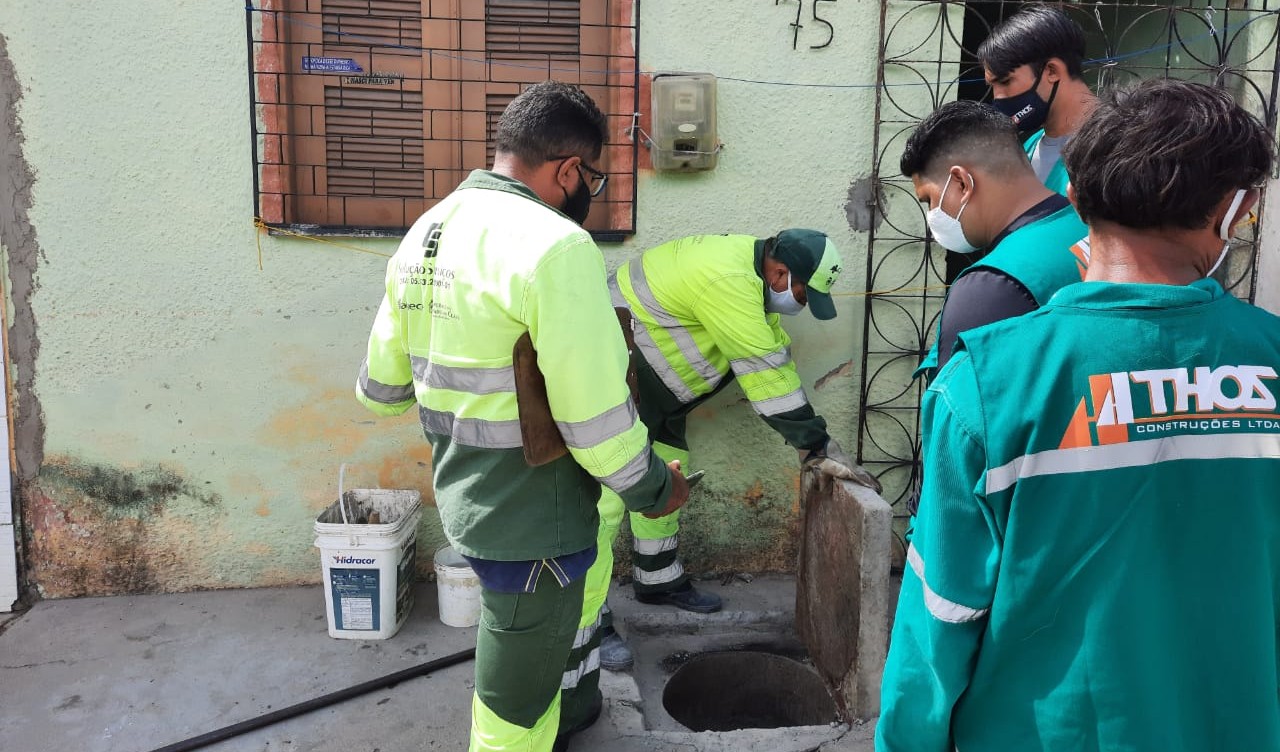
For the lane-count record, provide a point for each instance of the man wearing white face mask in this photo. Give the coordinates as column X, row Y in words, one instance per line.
column 967, row 166
column 706, row 313
column 1096, row 561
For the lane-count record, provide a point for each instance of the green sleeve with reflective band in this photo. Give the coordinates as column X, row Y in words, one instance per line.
column 385, row 384
column 732, row 311
column 583, row 357
column 802, row 428
column 949, row 584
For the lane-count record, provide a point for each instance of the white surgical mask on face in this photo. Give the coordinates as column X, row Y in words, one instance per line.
column 946, row 229
column 783, row 302
column 1224, row 230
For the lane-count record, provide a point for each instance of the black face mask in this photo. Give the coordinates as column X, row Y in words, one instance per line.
column 1027, row 110
column 577, row 206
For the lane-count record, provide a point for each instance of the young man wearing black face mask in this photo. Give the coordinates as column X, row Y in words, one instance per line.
column 1033, row 64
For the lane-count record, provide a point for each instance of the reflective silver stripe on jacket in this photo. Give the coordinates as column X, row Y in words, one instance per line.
column 666, row 574
column 1141, row 453
column 755, row 364
column 653, row 356
column 470, row 380
column 785, row 403
column 649, row 349
column 683, row 339
column 584, row 434
column 475, row 432
column 624, row 478
column 386, row 394
column 941, row 608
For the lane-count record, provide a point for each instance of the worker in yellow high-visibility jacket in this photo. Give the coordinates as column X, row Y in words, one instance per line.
column 707, row 312
column 502, row 256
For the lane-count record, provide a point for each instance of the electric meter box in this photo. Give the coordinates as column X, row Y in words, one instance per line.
column 684, row 122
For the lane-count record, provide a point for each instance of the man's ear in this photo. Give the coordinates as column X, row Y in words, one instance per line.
column 963, row 180
column 1247, row 203
column 1071, row 196
column 1054, row 71
column 566, row 174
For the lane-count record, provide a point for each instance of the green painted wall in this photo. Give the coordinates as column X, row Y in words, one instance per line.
column 196, row 408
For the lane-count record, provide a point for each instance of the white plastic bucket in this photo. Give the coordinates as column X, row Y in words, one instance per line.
column 457, row 588
column 369, row 568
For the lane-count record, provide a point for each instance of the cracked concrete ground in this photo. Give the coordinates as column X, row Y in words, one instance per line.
column 132, row 674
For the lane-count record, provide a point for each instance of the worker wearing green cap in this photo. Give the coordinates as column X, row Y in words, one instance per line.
column 706, row 311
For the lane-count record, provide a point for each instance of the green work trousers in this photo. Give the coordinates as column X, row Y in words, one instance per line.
column 522, row 647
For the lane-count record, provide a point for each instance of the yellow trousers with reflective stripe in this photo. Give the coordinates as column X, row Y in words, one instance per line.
column 578, row 700
column 655, row 560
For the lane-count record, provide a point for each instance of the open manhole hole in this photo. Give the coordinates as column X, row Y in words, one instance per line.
column 731, row 690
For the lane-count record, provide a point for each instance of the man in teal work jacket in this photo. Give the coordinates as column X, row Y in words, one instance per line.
column 1096, row 563
column 982, row 197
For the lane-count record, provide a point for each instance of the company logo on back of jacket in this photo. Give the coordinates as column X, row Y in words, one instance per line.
column 1134, row 405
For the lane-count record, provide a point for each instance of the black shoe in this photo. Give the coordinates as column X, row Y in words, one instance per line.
column 562, row 738
column 688, row 598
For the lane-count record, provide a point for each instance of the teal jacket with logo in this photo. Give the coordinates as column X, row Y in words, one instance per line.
column 1096, row 562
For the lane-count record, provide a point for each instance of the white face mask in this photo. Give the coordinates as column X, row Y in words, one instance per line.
column 783, row 302
column 946, row 229
column 1224, row 230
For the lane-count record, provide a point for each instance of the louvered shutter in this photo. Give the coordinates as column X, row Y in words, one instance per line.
column 517, row 28
column 373, row 142
column 396, row 25
column 373, row 149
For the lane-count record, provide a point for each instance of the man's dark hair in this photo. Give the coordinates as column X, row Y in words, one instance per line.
column 1032, row 36
column 1163, row 154
column 551, row 120
column 963, row 132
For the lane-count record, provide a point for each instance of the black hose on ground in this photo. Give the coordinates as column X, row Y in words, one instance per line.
column 284, row 714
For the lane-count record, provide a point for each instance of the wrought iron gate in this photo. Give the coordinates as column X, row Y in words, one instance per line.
column 927, row 58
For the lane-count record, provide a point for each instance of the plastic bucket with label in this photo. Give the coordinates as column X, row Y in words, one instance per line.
column 368, row 554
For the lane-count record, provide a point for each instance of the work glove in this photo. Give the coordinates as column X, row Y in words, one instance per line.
column 836, row 462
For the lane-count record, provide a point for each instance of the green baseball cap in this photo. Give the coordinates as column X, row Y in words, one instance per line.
column 810, row 255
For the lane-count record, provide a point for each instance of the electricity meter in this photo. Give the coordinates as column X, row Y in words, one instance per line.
column 684, row 122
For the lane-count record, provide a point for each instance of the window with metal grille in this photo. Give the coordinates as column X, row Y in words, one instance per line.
column 513, row 28
column 392, row 24
column 370, row 111
column 373, row 142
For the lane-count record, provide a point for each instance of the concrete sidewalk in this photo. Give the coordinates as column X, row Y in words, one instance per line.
column 133, row 674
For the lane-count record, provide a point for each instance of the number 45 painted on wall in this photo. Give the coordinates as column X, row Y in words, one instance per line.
column 796, row 26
